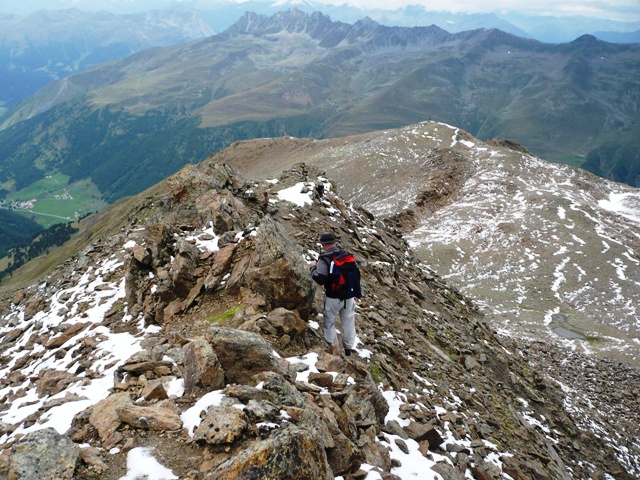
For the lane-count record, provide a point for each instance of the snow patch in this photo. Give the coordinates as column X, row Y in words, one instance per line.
column 142, row 464
column 626, row 205
column 296, row 195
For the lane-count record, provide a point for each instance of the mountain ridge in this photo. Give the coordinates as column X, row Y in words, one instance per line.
column 547, row 28
column 513, row 232
column 139, row 343
column 202, row 96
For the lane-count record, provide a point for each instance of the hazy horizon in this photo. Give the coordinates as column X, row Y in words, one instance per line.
column 623, row 11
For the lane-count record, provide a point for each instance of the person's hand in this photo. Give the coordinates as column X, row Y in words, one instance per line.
column 313, row 263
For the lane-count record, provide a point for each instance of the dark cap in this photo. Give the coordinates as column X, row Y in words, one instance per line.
column 327, row 238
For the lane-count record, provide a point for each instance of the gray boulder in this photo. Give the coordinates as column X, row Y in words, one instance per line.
column 201, row 367
column 244, row 354
column 366, row 405
column 286, row 392
column 289, row 453
column 44, row 455
column 221, row 425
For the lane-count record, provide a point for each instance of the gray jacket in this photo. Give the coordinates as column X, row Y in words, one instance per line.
column 320, row 273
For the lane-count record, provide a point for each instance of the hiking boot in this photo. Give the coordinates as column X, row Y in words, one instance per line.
column 347, row 352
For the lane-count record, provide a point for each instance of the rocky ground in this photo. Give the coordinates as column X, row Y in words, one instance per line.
column 188, row 342
column 547, row 251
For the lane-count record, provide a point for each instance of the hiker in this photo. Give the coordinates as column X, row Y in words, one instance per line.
column 338, row 272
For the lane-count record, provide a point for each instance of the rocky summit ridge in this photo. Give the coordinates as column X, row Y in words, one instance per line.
column 187, row 341
column 547, row 251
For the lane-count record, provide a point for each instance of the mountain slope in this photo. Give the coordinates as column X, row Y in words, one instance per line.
column 48, row 45
column 16, row 230
column 617, row 160
column 303, row 75
column 187, row 342
column 548, row 250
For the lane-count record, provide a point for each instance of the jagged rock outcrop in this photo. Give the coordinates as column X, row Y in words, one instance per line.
column 226, row 374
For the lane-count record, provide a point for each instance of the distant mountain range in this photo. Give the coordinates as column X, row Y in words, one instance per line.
column 127, row 124
column 48, row 45
column 619, row 37
column 220, row 14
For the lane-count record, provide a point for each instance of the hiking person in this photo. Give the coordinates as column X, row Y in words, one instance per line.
column 338, row 272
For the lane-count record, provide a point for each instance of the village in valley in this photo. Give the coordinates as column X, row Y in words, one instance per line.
column 51, row 200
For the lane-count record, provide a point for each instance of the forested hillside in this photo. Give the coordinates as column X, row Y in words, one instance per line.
column 37, row 245
column 15, row 229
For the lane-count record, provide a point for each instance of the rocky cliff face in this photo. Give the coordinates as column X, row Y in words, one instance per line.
column 187, row 344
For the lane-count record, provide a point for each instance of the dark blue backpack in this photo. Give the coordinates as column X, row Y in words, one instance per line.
column 344, row 276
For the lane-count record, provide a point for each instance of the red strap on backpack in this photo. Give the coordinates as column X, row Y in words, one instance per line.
column 345, row 259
